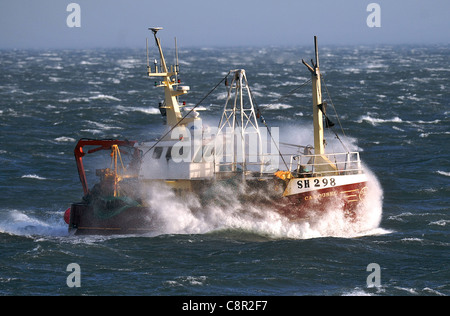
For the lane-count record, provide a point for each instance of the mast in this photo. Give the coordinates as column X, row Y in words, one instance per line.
column 321, row 161
column 240, row 124
column 171, row 104
column 317, row 101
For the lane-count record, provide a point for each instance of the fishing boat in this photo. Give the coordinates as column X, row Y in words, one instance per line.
column 241, row 153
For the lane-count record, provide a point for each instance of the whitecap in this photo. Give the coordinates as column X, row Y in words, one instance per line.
column 356, row 292
column 33, row 176
column 103, row 126
column 424, row 135
column 104, row 97
column 268, row 74
column 408, row 290
column 352, row 70
column 76, row 99
column 55, row 79
column 375, row 121
column 114, row 80
column 148, row 110
column 85, row 62
column 63, row 139
column 434, row 292
column 128, row 63
column 276, row 106
column 19, row 223
column 93, row 131
column 222, row 96
column 444, row 173
column 441, row 222
column 412, row 239
column 287, row 83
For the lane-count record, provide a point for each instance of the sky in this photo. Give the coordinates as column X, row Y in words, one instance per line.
column 38, row 24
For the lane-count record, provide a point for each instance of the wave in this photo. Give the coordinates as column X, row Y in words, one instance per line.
column 33, row 176
column 424, row 135
column 148, row 110
column 189, row 215
column 276, row 106
column 64, row 139
column 102, row 97
column 22, row 223
column 129, row 62
column 102, row 126
column 443, row 173
column 55, row 79
column 92, row 131
column 441, row 222
column 375, row 121
column 86, row 62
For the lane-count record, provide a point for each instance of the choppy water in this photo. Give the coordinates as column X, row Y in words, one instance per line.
column 393, row 103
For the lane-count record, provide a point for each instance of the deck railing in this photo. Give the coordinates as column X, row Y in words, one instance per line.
column 311, row 165
column 299, row 165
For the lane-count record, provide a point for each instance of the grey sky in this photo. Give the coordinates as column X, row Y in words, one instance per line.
column 207, row 23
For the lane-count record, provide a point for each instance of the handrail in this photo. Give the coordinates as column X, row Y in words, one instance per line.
column 308, row 165
column 346, row 163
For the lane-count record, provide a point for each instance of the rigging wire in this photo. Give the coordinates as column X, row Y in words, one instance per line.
column 293, row 90
column 264, row 121
column 337, row 116
column 268, row 130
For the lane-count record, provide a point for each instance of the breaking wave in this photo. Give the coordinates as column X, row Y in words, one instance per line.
column 22, row 223
column 375, row 121
column 443, row 173
column 33, row 176
column 189, row 215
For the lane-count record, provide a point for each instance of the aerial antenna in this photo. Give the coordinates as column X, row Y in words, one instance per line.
column 155, row 29
column 177, row 66
column 158, row 44
column 315, row 65
column 146, row 43
column 317, row 51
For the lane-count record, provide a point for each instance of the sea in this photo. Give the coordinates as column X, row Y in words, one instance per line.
column 392, row 102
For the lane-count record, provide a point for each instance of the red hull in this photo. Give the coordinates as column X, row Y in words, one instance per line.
column 304, row 206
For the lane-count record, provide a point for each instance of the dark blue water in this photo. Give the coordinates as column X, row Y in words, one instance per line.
column 393, row 103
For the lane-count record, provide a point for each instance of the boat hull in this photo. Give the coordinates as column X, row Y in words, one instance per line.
column 312, row 196
column 313, row 204
column 84, row 220
column 296, row 204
